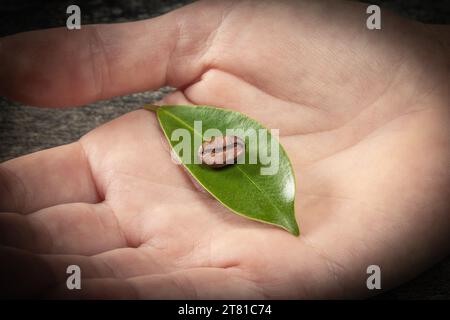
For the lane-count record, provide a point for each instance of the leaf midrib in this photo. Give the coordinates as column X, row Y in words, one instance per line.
column 238, row 168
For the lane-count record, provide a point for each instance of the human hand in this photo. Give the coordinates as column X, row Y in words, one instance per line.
column 362, row 114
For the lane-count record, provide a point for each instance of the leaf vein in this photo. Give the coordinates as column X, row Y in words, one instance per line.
column 238, row 168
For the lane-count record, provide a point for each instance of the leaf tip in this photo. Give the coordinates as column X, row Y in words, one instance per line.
column 291, row 226
column 294, row 230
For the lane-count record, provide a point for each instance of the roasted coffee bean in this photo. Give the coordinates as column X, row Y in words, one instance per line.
column 221, row 151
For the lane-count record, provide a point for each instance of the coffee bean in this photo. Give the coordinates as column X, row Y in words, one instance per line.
column 221, row 151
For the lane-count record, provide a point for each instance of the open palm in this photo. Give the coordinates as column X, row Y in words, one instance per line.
column 363, row 119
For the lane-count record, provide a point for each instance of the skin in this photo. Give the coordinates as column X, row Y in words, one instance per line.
column 362, row 114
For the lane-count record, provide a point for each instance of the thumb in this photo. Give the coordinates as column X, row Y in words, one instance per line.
column 60, row 67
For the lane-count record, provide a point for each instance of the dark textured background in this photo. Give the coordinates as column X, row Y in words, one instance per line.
column 24, row 129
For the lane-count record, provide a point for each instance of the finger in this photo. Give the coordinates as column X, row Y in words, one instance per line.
column 121, row 263
column 47, row 178
column 59, row 67
column 75, row 228
column 22, row 274
column 29, row 275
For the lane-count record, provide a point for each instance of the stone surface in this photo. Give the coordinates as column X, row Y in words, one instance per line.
column 25, row 129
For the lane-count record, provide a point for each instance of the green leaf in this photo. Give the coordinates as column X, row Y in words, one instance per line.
column 239, row 187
